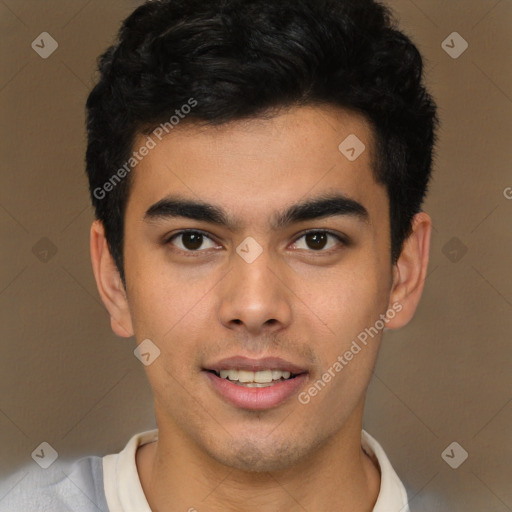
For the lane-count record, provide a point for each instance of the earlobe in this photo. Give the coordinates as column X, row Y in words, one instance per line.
column 410, row 271
column 109, row 283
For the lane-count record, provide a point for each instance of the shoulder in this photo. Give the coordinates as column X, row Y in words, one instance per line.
column 63, row 487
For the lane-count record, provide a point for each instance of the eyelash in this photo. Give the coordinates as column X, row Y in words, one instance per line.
column 342, row 240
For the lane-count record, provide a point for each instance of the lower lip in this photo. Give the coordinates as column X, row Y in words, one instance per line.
column 256, row 399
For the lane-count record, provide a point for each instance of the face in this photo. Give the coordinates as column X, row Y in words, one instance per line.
column 258, row 246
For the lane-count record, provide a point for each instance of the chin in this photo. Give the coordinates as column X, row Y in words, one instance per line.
column 260, row 456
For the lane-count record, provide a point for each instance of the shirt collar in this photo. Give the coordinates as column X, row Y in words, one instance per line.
column 124, row 492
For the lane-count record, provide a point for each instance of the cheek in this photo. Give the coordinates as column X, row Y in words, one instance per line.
column 349, row 300
column 168, row 307
column 348, row 303
column 173, row 315
column 349, row 306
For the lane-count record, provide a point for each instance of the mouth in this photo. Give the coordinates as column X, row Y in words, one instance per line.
column 252, row 379
column 255, row 384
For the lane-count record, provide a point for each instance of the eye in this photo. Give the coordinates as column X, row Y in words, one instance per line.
column 192, row 241
column 319, row 241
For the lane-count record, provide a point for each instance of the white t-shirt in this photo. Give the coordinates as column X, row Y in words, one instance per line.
column 124, row 492
column 112, row 484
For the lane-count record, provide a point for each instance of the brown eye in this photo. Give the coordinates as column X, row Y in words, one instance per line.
column 316, row 241
column 192, row 241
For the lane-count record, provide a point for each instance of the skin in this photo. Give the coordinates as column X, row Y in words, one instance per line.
column 299, row 303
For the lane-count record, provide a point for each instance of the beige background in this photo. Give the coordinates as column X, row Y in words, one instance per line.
column 66, row 379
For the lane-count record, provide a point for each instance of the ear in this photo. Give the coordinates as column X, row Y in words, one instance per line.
column 410, row 271
column 109, row 283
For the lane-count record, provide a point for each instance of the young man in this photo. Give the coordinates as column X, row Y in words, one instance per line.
column 257, row 170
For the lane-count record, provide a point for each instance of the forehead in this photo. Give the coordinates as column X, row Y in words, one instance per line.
column 251, row 166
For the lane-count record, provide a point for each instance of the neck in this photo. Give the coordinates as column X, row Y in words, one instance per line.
column 177, row 476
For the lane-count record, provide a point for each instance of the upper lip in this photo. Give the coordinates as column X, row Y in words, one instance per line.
column 255, row 365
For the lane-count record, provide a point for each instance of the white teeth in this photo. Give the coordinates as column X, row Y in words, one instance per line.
column 260, row 377
column 263, row 377
column 245, row 376
column 229, row 374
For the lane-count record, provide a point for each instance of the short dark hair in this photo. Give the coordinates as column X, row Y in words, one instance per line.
column 239, row 59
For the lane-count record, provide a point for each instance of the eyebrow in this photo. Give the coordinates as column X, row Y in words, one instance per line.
column 321, row 207
column 311, row 209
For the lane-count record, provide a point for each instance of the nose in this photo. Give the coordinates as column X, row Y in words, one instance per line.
column 254, row 297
